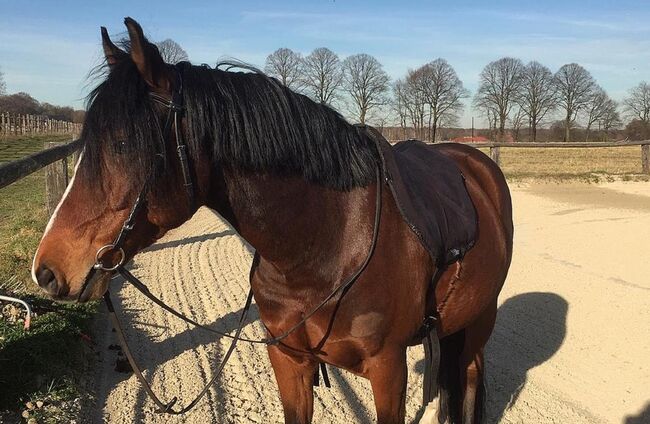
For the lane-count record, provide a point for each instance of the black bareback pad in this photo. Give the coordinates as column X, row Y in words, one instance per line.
column 431, row 196
column 430, row 193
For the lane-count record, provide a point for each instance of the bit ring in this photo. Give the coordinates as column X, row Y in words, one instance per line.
column 102, row 250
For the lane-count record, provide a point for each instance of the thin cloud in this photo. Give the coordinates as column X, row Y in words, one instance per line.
column 614, row 24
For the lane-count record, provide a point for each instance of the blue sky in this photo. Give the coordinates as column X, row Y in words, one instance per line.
column 48, row 48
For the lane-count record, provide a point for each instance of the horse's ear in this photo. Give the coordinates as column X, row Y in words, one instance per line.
column 111, row 51
column 147, row 58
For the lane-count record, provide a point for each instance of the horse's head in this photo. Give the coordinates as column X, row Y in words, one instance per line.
column 127, row 151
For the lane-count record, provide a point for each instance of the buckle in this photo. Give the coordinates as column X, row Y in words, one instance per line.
column 429, row 322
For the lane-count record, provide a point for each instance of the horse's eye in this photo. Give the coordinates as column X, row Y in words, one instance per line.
column 122, row 147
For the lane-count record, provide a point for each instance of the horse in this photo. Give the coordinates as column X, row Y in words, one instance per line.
column 300, row 184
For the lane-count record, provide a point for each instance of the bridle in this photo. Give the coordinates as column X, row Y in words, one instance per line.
column 175, row 111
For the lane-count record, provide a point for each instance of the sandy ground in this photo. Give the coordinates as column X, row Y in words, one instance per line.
column 571, row 344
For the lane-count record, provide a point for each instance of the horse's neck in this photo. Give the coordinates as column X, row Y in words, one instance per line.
column 297, row 225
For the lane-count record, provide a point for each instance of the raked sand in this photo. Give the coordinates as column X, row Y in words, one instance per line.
column 571, row 344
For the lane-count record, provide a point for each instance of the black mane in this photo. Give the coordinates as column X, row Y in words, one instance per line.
column 242, row 120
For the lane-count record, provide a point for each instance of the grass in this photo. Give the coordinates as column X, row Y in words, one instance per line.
column 590, row 164
column 22, row 212
column 16, row 147
column 45, row 364
column 22, row 221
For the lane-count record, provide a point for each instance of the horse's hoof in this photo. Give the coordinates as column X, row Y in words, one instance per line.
column 430, row 415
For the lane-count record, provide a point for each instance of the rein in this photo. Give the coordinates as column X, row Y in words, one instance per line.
column 175, row 109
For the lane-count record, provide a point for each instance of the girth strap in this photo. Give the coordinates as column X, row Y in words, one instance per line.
column 431, row 346
column 321, row 369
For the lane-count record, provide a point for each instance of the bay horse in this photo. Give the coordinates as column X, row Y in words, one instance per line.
column 296, row 181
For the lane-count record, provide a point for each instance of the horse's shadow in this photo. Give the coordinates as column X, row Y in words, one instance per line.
column 530, row 328
column 643, row 417
column 153, row 351
column 188, row 240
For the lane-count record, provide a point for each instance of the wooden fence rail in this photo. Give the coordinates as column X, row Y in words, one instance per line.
column 14, row 171
column 13, row 124
column 495, row 148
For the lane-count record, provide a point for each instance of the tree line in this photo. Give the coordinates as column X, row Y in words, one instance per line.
column 511, row 95
column 518, row 94
column 326, row 79
column 24, row 104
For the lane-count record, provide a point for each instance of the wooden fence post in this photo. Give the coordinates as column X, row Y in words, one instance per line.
column 56, row 180
column 645, row 158
column 495, row 154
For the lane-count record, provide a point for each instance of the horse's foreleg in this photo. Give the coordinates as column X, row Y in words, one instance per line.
column 295, row 377
column 388, row 376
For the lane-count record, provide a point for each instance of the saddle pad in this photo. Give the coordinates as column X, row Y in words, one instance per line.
column 430, row 193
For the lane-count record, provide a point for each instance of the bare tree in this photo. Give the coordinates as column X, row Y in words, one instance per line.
column 171, row 51
column 381, row 117
column 537, row 96
column 400, row 103
column 285, row 65
column 637, row 129
column 3, row 86
column 366, row 82
column 415, row 101
column 447, row 122
column 637, row 104
column 488, row 110
column 611, row 119
column 500, row 82
column 517, row 119
column 322, row 75
column 599, row 107
column 442, row 91
column 575, row 87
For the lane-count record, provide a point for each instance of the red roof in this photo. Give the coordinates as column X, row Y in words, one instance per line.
column 469, row 139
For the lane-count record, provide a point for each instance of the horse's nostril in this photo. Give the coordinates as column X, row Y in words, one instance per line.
column 46, row 279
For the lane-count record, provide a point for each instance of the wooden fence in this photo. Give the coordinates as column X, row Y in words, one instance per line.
column 11, row 124
column 55, row 159
column 495, row 148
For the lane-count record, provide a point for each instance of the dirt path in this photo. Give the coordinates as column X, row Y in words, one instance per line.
column 570, row 346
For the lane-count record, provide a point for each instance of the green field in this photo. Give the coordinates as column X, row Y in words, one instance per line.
column 45, row 364
column 16, row 147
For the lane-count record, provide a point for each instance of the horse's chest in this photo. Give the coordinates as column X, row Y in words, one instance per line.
column 338, row 333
